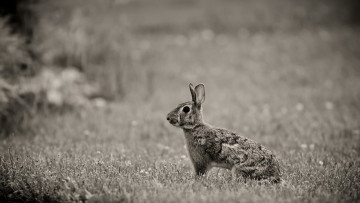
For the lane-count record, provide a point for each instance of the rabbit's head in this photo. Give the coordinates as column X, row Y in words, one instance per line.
column 188, row 115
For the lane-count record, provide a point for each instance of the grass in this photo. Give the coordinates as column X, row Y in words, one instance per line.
column 296, row 92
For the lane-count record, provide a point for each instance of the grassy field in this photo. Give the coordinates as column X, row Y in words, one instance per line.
column 296, row 91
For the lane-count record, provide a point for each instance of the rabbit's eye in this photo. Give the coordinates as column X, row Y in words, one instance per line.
column 186, row 109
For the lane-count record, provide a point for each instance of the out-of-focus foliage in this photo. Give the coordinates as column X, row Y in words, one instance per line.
column 20, row 16
column 51, row 88
column 59, row 87
column 15, row 63
column 14, row 58
column 88, row 35
column 14, row 111
column 72, row 44
column 24, row 87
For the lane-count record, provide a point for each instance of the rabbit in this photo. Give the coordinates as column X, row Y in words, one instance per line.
column 216, row 147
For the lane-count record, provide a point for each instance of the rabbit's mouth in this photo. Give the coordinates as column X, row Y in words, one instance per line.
column 173, row 121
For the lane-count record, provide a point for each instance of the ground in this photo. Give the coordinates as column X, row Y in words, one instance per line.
column 295, row 91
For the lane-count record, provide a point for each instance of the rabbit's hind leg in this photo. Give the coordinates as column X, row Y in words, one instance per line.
column 261, row 172
column 265, row 172
column 237, row 173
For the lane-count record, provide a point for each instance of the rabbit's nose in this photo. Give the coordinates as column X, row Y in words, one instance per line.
column 167, row 118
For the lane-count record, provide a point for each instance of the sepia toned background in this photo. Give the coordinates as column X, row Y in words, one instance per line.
column 85, row 87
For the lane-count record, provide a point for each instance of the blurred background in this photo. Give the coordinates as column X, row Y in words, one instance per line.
column 61, row 55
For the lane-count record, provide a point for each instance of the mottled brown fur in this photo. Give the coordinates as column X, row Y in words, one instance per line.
column 215, row 147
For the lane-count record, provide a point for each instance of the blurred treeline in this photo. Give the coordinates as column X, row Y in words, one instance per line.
column 69, row 53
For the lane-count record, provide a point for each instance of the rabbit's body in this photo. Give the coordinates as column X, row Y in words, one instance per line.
column 215, row 147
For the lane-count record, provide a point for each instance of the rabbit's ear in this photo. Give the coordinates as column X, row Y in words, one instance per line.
column 193, row 93
column 200, row 94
